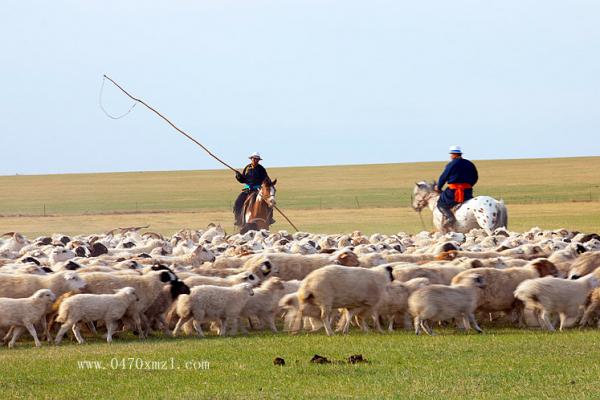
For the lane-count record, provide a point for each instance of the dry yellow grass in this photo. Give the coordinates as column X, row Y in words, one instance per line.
column 550, row 193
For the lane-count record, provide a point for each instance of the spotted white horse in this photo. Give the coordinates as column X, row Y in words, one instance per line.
column 479, row 212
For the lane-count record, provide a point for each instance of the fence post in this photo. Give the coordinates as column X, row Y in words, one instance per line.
column 44, row 210
column 357, row 203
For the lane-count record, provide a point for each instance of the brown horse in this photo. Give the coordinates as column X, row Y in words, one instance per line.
column 258, row 207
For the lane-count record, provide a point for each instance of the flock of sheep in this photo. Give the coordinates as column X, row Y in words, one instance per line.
column 206, row 280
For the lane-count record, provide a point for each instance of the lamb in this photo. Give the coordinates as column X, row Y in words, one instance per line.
column 498, row 294
column 20, row 285
column 441, row 303
column 94, row 307
column 147, row 287
column 334, row 286
column 213, row 303
column 25, row 313
column 584, row 265
column 264, row 304
column 555, row 295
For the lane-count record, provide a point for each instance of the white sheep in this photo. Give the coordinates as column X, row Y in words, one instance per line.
column 213, row 303
column 94, row 307
column 148, row 287
column 25, row 313
column 550, row 295
column 243, row 277
column 441, row 303
column 355, row 289
column 21, row 285
column 264, row 304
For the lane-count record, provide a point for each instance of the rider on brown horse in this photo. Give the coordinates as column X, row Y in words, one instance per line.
column 252, row 177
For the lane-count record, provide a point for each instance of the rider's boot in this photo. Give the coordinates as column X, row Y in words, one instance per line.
column 449, row 220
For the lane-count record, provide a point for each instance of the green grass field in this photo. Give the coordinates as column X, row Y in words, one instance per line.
column 550, row 193
column 502, row 363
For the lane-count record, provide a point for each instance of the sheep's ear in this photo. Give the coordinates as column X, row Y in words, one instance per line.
column 274, row 182
column 266, row 267
column 390, row 272
column 581, row 249
column 165, row 277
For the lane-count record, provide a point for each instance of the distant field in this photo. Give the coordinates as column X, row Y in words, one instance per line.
column 551, row 193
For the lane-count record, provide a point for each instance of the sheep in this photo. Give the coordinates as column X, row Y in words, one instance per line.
column 395, row 299
column 216, row 303
column 555, row 295
column 16, row 286
column 334, row 286
column 264, row 303
column 243, row 277
column 289, row 304
column 195, row 258
column 591, row 308
column 437, row 274
column 59, row 255
column 155, row 314
column 94, row 307
column 498, row 293
column 296, row 266
column 441, row 302
column 148, row 288
column 584, row 265
column 25, row 313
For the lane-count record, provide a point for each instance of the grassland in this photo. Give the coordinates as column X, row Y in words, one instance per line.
column 502, row 363
column 551, row 193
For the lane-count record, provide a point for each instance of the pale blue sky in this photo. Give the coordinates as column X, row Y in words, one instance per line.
column 307, row 82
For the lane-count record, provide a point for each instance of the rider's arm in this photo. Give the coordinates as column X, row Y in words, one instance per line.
column 241, row 176
column 444, row 177
column 476, row 176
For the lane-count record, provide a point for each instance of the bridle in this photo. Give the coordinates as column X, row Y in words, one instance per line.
column 270, row 200
column 423, row 201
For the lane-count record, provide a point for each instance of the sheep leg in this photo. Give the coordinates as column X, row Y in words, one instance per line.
column 7, row 336
column 417, row 325
column 223, row 328
column 110, row 327
column 61, row 332
column 474, row 323
column 466, row 324
column 326, row 318
column 31, row 329
column 407, row 321
column 234, row 325
column 588, row 313
column 181, row 321
column 426, row 328
column 376, row 322
column 16, row 332
column 270, row 321
column 198, row 327
column 77, row 333
column 546, row 318
column 391, row 323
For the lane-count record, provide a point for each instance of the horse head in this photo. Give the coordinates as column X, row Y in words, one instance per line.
column 421, row 195
column 267, row 192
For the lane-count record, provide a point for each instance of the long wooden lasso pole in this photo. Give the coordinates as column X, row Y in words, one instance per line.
column 186, row 135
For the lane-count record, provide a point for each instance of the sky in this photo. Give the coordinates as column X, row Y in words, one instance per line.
column 311, row 82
